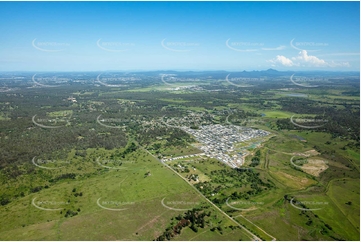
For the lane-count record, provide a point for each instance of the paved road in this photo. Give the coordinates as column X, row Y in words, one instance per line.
column 253, row 237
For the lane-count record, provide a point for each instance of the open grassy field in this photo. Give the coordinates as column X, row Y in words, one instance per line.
column 115, row 204
column 342, row 192
column 179, row 151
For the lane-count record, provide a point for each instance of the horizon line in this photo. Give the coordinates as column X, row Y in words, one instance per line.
column 182, row 70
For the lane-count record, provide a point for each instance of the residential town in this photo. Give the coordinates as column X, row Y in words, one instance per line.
column 218, row 141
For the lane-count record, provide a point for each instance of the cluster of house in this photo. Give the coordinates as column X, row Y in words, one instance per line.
column 218, row 141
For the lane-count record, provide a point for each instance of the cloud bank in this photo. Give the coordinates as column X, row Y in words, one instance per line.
column 305, row 60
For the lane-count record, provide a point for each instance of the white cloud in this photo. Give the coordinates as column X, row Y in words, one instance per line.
column 305, row 60
column 282, row 60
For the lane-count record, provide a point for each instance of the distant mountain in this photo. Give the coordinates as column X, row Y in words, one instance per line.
column 272, row 71
column 216, row 74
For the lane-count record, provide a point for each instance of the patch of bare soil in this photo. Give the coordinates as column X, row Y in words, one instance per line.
column 314, row 166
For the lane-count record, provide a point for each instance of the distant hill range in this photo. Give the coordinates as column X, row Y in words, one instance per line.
column 193, row 74
column 254, row 74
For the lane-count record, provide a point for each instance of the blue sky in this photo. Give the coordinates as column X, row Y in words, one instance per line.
column 100, row 36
